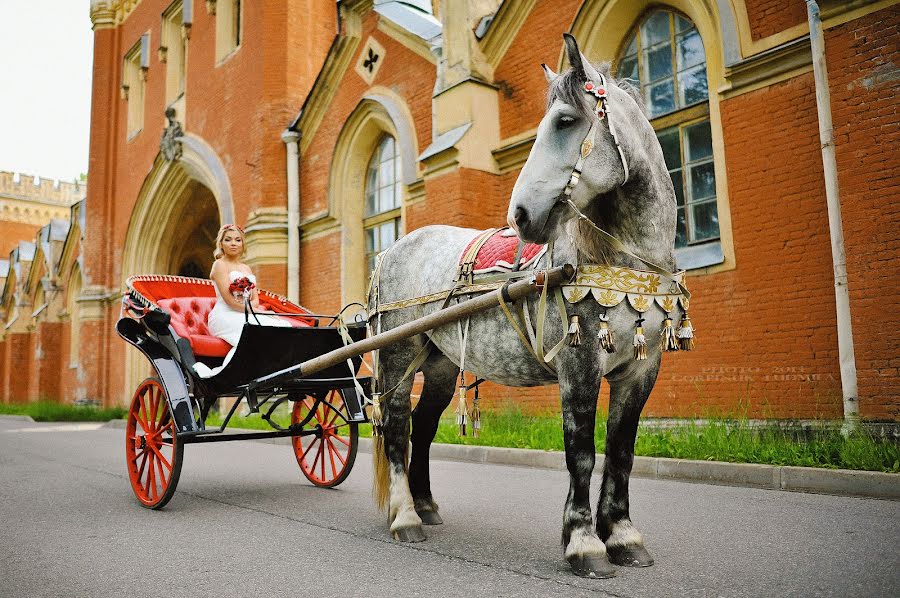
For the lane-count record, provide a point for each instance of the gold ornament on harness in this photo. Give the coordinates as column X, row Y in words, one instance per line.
column 686, row 333
column 377, row 416
column 640, row 341
column 574, row 333
column 605, row 335
column 476, row 414
column 462, row 410
column 669, row 338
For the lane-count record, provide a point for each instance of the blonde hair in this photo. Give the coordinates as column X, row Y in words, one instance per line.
column 219, row 252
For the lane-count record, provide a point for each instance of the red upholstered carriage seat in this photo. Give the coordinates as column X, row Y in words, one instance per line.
column 189, row 315
column 189, row 300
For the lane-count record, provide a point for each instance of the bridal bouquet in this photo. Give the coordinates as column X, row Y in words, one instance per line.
column 241, row 287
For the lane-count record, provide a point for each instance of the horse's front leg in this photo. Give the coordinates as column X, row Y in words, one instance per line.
column 584, row 550
column 629, row 391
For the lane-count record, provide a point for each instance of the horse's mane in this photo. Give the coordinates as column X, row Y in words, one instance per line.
column 569, row 89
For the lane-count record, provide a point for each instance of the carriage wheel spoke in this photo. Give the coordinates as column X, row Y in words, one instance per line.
column 155, row 420
column 331, row 453
column 333, row 418
column 160, row 456
column 141, row 417
column 343, row 440
column 340, row 456
column 145, row 456
column 150, row 486
column 306, row 451
column 162, row 473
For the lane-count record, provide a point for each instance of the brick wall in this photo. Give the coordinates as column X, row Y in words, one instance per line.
column 18, row 362
column 13, row 232
column 864, row 72
column 49, row 364
column 768, row 17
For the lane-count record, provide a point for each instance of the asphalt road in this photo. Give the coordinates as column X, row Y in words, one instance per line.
column 244, row 522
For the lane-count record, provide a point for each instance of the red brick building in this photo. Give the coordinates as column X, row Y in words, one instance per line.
column 364, row 120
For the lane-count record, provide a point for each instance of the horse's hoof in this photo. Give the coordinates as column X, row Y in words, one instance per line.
column 409, row 534
column 629, row 556
column 430, row 517
column 591, row 565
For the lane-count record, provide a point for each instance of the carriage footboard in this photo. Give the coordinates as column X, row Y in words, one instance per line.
column 169, row 372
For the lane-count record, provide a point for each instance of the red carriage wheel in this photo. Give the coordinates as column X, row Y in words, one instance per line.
column 326, row 457
column 151, row 446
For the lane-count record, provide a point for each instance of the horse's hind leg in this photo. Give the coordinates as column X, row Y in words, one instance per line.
column 406, row 525
column 440, row 376
column 624, row 542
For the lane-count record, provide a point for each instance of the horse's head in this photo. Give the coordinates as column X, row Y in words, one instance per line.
column 575, row 124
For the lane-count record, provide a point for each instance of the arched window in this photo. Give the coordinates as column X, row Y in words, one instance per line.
column 381, row 218
column 665, row 56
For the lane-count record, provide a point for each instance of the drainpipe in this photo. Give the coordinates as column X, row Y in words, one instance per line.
column 291, row 139
column 833, row 199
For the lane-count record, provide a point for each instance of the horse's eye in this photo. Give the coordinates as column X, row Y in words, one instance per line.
column 565, row 122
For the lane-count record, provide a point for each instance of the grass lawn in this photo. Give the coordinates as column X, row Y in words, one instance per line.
column 734, row 441
column 720, row 440
column 47, row 411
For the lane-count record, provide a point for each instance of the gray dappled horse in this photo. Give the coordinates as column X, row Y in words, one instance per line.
column 628, row 194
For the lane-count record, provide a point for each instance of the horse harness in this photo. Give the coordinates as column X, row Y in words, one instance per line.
column 608, row 285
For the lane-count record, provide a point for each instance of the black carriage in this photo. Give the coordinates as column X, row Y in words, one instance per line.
column 165, row 318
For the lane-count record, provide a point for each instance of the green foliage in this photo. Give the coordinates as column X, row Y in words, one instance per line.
column 47, row 411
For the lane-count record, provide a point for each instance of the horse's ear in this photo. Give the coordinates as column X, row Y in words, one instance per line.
column 581, row 65
column 548, row 72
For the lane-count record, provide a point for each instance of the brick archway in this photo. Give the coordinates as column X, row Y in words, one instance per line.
column 172, row 228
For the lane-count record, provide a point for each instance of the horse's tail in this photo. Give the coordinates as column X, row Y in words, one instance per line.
column 381, row 482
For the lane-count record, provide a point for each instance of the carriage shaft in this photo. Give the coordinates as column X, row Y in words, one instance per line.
column 514, row 291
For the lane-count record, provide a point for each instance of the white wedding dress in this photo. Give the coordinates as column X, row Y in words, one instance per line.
column 227, row 323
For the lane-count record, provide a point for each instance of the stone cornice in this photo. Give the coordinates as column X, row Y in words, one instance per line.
column 769, row 67
column 267, row 236
column 110, row 13
column 513, row 151
column 318, row 225
column 411, row 42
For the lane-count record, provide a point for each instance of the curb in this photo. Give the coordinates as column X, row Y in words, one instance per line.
column 840, row 482
column 17, row 418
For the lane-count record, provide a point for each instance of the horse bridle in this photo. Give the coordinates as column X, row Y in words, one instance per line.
column 601, row 110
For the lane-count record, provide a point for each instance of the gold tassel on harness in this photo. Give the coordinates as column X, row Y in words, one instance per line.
column 476, row 414
column 574, row 331
column 377, row 417
column 461, row 410
column 668, row 336
column 605, row 335
column 686, row 333
column 640, row 341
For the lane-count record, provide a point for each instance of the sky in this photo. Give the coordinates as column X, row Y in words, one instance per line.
column 46, row 51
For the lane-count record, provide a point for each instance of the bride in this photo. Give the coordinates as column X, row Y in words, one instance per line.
column 234, row 281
